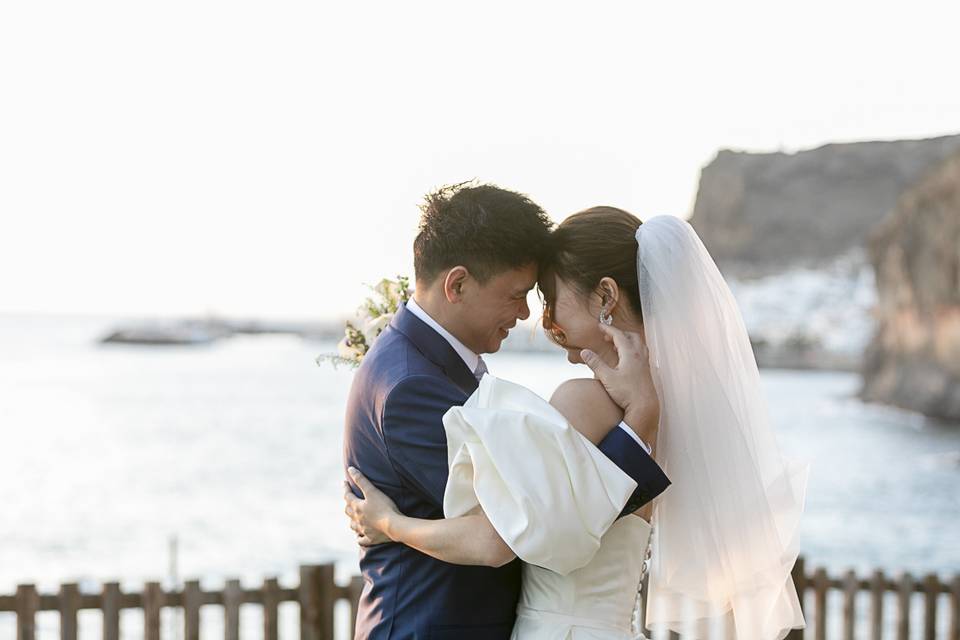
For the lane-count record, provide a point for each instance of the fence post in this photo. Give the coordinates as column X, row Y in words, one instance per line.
column 316, row 602
column 878, row 587
column 152, row 602
column 28, row 601
column 310, row 602
column 328, row 599
column 820, row 585
column 232, row 598
column 850, row 587
column 69, row 605
column 271, row 601
column 192, row 596
column 931, row 588
column 111, row 611
column 904, row 593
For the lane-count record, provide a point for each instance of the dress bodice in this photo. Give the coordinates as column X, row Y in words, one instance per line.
column 595, row 601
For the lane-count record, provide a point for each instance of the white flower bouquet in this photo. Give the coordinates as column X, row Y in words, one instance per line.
column 372, row 318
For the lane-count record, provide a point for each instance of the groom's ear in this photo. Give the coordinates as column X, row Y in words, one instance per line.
column 453, row 283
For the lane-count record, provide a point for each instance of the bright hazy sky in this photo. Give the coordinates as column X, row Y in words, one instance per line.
column 267, row 158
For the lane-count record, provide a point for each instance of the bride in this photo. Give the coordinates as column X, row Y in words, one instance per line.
column 721, row 540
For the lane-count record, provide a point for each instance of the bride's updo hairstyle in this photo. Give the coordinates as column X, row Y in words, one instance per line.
column 588, row 246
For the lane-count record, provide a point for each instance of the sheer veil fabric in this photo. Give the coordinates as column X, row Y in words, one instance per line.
column 724, row 536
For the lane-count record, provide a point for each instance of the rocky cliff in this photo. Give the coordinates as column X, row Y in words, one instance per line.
column 914, row 360
column 761, row 213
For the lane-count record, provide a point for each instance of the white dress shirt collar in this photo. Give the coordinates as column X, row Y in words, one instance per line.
column 469, row 357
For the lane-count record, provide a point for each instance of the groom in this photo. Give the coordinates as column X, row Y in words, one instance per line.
column 475, row 259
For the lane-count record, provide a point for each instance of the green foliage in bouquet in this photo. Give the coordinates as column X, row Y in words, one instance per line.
column 372, row 318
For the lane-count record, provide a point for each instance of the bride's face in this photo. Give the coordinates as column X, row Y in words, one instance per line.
column 576, row 326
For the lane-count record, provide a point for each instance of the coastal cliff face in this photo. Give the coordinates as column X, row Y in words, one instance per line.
column 763, row 213
column 914, row 359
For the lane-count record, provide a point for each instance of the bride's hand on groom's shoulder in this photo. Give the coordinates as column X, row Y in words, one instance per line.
column 370, row 515
column 630, row 383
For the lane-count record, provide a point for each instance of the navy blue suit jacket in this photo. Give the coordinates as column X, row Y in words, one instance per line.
column 394, row 435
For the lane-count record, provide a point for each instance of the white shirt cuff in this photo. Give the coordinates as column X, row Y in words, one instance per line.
column 625, row 427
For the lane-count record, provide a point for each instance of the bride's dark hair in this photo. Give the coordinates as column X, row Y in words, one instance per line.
column 586, row 247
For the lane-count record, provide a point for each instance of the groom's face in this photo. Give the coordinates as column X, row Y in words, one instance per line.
column 488, row 311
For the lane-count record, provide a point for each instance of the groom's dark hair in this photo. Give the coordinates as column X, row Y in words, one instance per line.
column 482, row 227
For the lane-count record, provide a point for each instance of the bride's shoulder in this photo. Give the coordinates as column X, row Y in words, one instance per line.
column 587, row 406
column 583, row 390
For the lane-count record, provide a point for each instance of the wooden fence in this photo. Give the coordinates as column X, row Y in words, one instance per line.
column 318, row 593
column 930, row 589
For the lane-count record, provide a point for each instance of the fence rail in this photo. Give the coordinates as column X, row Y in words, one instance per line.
column 318, row 593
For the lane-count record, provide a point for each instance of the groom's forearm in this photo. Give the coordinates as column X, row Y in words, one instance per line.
column 467, row 540
column 633, row 460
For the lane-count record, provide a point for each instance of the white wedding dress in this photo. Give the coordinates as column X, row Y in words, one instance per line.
column 726, row 531
column 554, row 498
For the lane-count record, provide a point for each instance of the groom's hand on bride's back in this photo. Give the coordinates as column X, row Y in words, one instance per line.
column 629, row 384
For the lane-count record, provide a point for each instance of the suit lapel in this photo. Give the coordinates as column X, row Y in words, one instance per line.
column 435, row 347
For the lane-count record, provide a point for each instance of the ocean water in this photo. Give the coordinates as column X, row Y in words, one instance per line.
column 108, row 452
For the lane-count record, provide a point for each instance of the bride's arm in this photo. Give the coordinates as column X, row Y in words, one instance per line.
column 587, row 406
column 590, row 410
column 469, row 539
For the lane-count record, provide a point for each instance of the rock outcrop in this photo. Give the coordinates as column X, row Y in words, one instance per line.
column 761, row 213
column 914, row 359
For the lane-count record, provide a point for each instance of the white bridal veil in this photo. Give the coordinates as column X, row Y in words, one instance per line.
column 724, row 532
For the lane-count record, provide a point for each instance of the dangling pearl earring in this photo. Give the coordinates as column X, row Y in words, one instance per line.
column 606, row 318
